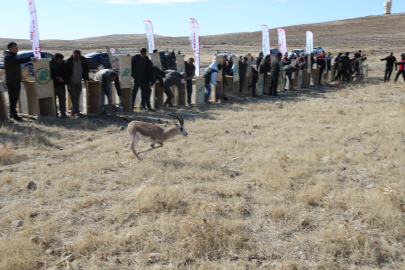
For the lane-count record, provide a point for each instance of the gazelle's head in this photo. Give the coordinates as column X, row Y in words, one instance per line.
column 180, row 125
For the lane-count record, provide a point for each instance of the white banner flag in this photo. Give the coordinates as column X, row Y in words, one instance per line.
column 149, row 34
column 195, row 44
column 282, row 40
column 266, row 40
column 310, row 42
column 34, row 34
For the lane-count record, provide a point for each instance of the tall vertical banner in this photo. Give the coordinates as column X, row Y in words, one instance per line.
column 266, row 40
column 310, row 42
column 282, row 40
column 34, row 34
column 195, row 44
column 149, row 34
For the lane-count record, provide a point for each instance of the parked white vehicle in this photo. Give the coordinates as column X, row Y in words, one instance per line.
column 318, row 50
column 297, row 50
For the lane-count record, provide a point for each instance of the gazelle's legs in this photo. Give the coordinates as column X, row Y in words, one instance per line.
column 134, row 142
column 153, row 147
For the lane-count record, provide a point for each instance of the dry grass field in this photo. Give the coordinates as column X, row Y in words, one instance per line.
column 317, row 183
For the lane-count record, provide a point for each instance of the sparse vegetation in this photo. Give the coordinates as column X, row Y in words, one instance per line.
column 316, row 183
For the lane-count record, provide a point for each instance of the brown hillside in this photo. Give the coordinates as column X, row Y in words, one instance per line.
column 372, row 31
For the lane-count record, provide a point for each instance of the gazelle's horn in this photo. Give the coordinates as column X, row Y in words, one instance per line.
column 175, row 116
column 181, row 118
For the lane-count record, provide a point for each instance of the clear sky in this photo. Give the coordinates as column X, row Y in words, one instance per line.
column 75, row 19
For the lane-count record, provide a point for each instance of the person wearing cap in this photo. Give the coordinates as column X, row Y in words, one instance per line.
column 106, row 77
column 242, row 72
column 142, row 72
column 209, row 75
column 401, row 69
column 389, row 66
column 358, row 54
column 57, row 67
column 172, row 78
column 190, row 71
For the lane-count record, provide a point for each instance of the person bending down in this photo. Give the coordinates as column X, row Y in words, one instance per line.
column 172, row 78
column 209, row 75
column 107, row 76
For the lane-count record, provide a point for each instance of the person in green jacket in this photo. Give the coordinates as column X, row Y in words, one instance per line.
column 275, row 71
column 12, row 65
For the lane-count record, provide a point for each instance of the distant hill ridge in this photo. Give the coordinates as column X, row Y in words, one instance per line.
column 381, row 30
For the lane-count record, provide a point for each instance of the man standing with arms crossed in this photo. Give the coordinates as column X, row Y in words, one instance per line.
column 76, row 69
column 190, row 70
column 12, row 65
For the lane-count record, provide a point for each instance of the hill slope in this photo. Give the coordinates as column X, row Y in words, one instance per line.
column 372, row 31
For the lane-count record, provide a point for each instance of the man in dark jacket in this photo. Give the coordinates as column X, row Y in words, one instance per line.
column 259, row 59
column 172, row 78
column 275, row 71
column 76, row 69
column 190, row 70
column 229, row 66
column 12, row 65
column 167, row 59
column 389, row 66
column 321, row 63
column 242, row 72
column 344, row 67
column 265, row 67
column 255, row 78
column 173, row 59
column 142, row 72
column 357, row 55
column 58, row 76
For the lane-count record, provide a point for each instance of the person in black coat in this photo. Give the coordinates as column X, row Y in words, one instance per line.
column 389, row 66
column 142, row 72
column 76, row 70
column 59, row 86
column 12, row 65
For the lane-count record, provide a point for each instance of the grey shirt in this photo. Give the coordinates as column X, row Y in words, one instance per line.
column 77, row 71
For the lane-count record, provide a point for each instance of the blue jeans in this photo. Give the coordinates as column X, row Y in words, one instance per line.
column 207, row 91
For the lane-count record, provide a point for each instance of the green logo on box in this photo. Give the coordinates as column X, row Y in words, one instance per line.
column 236, row 71
column 181, row 68
column 43, row 76
column 200, row 90
column 261, row 83
column 125, row 73
column 157, row 64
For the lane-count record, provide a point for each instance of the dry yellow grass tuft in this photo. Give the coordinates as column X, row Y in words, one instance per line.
column 316, row 184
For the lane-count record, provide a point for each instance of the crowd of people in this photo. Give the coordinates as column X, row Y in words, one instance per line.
column 70, row 74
